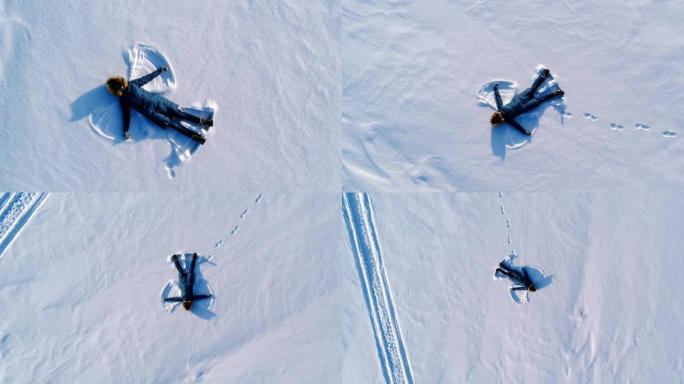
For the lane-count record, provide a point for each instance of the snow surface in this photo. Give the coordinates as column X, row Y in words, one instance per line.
column 272, row 68
column 295, row 303
column 610, row 312
column 411, row 72
column 360, row 288
column 80, row 291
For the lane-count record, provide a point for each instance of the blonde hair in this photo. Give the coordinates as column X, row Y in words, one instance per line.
column 116, row 85
column 497, row 118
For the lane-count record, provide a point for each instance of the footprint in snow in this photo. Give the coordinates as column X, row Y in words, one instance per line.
column 642, row 127
column 616, row 127
column 590, row 116
column 244, row 213
column 669, row 134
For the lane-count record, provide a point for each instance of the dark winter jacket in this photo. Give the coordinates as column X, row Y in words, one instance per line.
column 517, row 276
column 186, row 280
column 152, row 106
column 520, row 104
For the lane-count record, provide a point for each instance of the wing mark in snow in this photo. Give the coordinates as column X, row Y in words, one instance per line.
column 16, row 210
column 360, row 224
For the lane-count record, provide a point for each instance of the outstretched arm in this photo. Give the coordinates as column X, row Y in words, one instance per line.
column 497, row 97
column 519, row 127
column 200, row 297
column 173, row 299
column 126, row 110
column 147, row 78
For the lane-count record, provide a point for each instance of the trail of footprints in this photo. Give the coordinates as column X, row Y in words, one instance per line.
column 509, row 236
column 638, row 126
column 236, row 228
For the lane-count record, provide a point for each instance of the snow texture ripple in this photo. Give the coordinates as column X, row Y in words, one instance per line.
column 360, row 224
column 16, row 210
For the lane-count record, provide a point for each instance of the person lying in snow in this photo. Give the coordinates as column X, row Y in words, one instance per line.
column 520, row 278
column 522, row 102
column 186, row 280
column 157, row 108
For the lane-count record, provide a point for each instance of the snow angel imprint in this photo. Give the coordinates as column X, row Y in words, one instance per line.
column 186, row 281
column 158, row 109
column 522, row 102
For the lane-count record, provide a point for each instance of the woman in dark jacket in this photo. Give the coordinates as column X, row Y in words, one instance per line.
column 522, row 102
column 186, row 281
column 519, row 277
column 159, row 109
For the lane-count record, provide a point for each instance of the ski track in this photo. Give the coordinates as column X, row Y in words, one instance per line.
column 16, row 210
column 360, row 225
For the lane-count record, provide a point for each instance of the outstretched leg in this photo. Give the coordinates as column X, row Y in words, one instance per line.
column 193, row 262
column 194, row 119
column 543, row 75
column 174, row 258
column 504, row 272
column 551, row 95
column 187, row 132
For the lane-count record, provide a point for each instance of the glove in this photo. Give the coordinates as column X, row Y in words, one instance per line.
column 164, row 69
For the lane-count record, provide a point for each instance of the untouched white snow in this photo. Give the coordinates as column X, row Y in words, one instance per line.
column 610, row 310
column 272, row 68
column 411, row 72
column 80, row 291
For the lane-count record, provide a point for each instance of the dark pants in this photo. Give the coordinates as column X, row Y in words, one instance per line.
column 171, row 118
column 186, row 279
column 182, row 115
column 175, row 124
column 530, row 99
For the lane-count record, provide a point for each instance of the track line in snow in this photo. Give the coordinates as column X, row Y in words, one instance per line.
column 363, row 239
column 16, row 210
